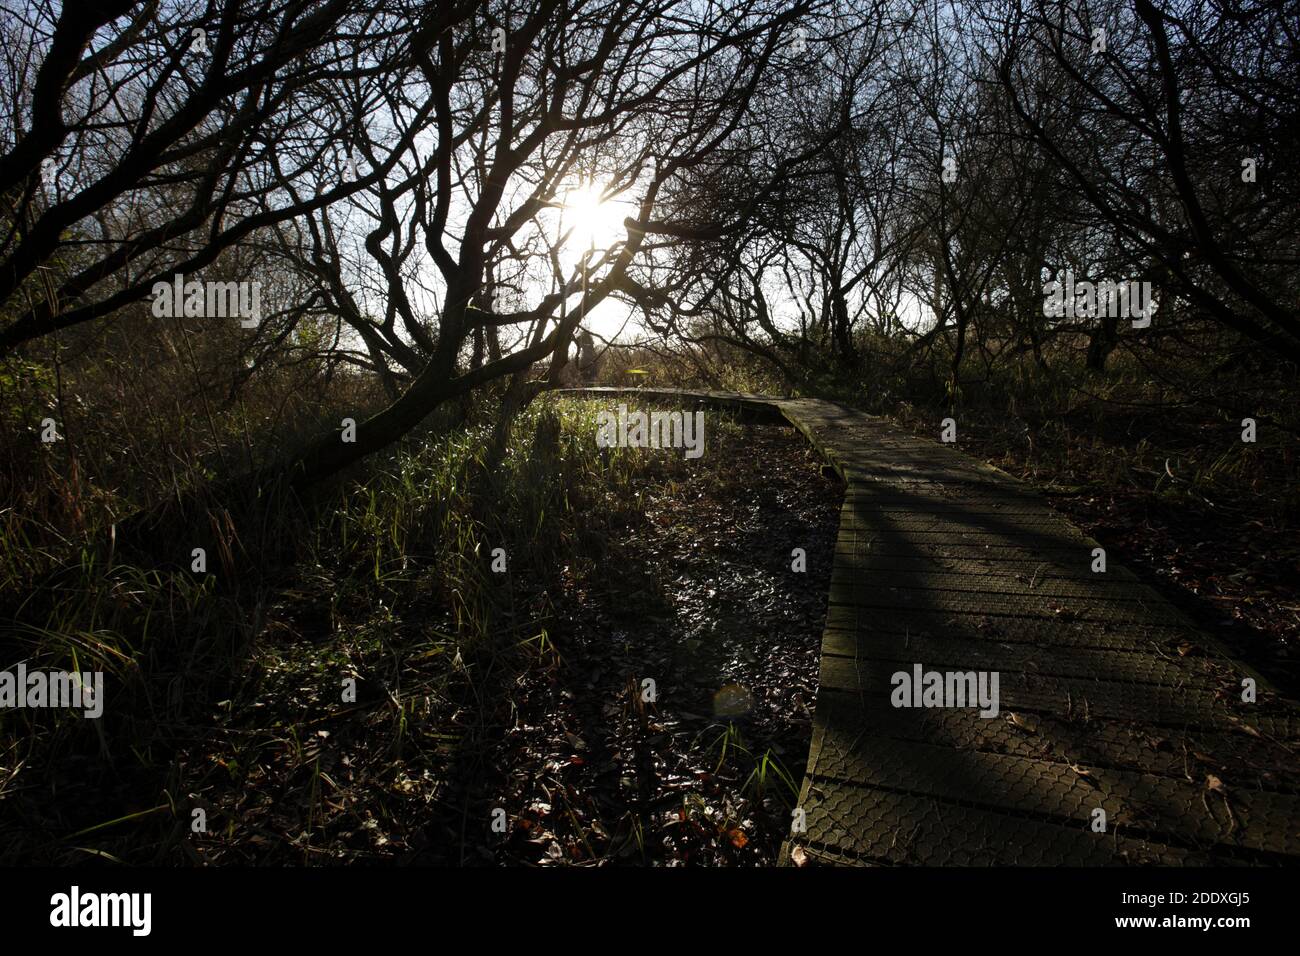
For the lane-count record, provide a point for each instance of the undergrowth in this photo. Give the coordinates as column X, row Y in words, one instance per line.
column 372, row 612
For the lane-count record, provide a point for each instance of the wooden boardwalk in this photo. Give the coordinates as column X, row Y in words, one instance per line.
column 1121, row 735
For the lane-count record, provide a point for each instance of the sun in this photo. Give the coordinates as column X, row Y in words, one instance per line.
column 592, row 219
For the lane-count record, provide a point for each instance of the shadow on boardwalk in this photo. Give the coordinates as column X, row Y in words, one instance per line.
column 1121, row 737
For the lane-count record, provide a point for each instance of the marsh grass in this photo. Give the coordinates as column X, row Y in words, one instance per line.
column 386, row 580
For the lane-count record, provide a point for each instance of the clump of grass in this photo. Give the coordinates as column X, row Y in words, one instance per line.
column 432, row 511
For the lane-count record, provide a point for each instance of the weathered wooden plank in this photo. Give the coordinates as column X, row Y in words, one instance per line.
column 1062, row 662
column 1029, row 581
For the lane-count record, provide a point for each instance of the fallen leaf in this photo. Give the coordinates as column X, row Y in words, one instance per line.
column 1245, row 726
column 1027, row 724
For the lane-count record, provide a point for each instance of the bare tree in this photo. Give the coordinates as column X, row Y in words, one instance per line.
column 465, row 242
column 1185, row 148
column 146, row 138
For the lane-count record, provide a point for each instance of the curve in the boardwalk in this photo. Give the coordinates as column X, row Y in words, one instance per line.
column 988, row 697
